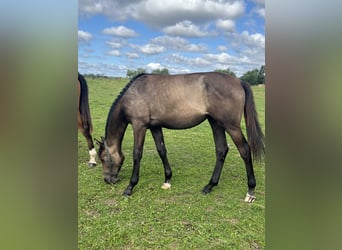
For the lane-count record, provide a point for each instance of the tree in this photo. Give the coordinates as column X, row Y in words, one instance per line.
column 164, row 71
column 255, row 76
column 132, row 73
column 227, row 71
column 261, row 76
column 251, row 77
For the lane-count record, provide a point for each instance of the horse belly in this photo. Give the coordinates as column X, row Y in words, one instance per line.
column 178, row 119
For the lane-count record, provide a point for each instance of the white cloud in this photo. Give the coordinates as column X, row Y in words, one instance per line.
column 90, row 7
column 222, row 58
column 185, row 29
column 195, row 48
column 153, row 66
column 164, row 13
column 84, row 36
column 115, row 44
column 261, row 11
column 150, row 48
column 120, row 31
column 226, row 25
column 114, row 53
column 178, row 43
column 253, row 40
column 249, row 49
column 239, row 64
column 193, row 62
column 221, row 48
column 244, row 39
column 259, row 8
column 132, row 55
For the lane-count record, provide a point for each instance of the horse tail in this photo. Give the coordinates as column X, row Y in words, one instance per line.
column 84, row 105
column 256, row 138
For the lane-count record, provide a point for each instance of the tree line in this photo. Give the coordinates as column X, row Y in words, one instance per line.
column 254, row 77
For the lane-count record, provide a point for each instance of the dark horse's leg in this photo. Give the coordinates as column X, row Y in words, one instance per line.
column 139, row 138
column 245, row 153
column 92, row 152
column 221, row 152
column 158, row 137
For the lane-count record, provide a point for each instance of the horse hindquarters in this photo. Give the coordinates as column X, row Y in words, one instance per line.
column 255, row 143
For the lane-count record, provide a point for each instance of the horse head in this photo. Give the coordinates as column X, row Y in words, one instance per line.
column 110, row 167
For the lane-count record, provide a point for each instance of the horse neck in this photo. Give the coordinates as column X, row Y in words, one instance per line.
column 115, row 130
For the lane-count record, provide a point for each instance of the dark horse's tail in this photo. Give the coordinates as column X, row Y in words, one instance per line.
column 254, row 133
column 84, row 105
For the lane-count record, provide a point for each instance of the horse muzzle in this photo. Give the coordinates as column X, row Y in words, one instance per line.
column 111, row 179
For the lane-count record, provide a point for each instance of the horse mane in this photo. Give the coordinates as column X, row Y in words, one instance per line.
column 122, row 93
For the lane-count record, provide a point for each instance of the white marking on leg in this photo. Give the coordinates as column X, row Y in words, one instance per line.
column 166, row 186
column 92, row 154
column 249, row 198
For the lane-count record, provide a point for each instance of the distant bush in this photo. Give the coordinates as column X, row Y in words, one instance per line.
column 164, row 71
column 255, row 76
column 226, row 71
column 132, row 73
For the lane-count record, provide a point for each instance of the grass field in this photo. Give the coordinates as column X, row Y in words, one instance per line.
column 178, row 218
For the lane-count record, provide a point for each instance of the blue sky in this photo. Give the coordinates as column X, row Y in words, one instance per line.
column 183, row 36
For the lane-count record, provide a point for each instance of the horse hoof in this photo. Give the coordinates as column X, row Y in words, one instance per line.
column 127, row 193
column 166, row 186
column 91, row 164
column 106, row 180
column 115, row 180
column 206, row 190
column 249, row 198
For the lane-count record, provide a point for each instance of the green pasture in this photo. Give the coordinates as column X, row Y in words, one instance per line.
column 178, row 218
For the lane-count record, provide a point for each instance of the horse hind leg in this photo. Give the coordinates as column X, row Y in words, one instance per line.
column 245, row 153
column 92, row 157
column 158, row 137
column 91, row 148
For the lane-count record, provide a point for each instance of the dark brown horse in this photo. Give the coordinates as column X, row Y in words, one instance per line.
column 84, row 119
column 179, row 102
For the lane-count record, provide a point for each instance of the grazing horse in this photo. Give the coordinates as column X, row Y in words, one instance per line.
column 84, row 119
column 152, row 101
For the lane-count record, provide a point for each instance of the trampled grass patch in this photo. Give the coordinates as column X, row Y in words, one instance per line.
column 178, row 218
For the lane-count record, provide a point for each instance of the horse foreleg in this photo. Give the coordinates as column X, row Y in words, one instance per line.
column 158, row 137
column 221, row 153
column 139, row 138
